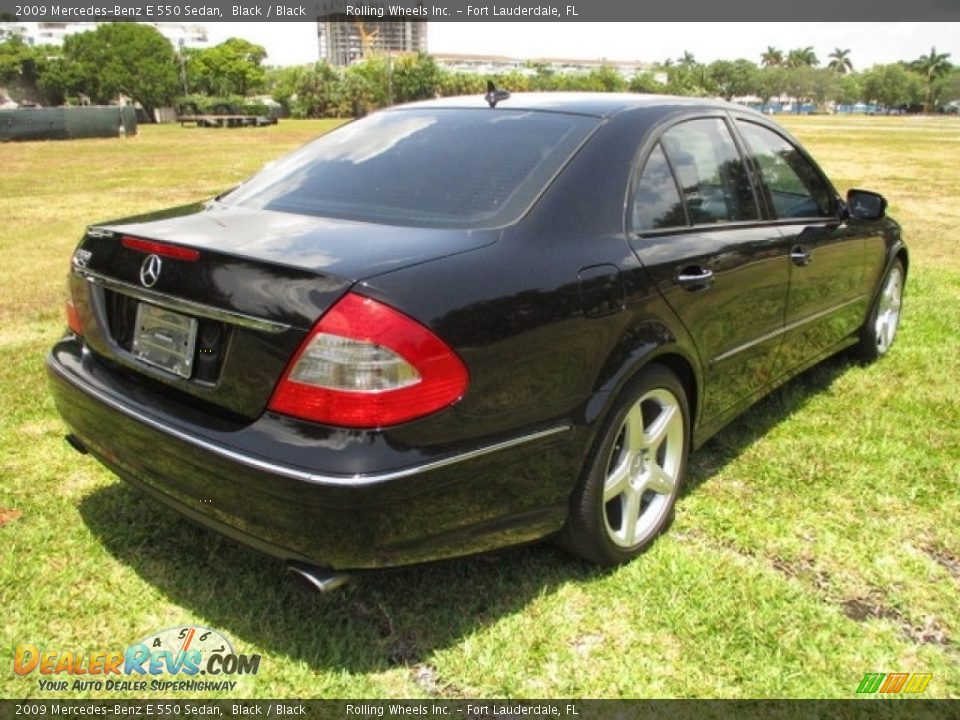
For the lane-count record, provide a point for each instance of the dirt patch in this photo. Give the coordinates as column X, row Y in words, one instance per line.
column 8, row 515
column 585, row 644
column 945, row 559
column 403, row 651
column 425, row 676
column 928, row 632
column 788, row 569
column 373, row 614
column 428, row 679
column 861, row 609
column 803, row 569
column 931, row 632
column 400, row 648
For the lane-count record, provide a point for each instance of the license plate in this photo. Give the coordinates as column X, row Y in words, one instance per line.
column 165, row 339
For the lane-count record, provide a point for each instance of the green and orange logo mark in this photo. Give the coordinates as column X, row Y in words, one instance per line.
column 894, row 683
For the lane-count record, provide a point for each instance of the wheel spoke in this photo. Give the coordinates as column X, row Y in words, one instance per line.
column 634, row 439
column 630, row 512
column 660, row 481
column 887, row 320
column 882, row 330
column 660, row 427
column 617, row 481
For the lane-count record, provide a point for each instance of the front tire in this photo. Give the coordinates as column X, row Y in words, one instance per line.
column 634, row 472
column 880, row 330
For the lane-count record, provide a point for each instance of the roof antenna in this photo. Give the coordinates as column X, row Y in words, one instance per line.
column 494, row 95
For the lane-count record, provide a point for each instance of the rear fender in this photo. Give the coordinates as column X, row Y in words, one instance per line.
column 645, row 342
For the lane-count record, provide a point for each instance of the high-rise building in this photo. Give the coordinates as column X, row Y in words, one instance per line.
column 343, row 40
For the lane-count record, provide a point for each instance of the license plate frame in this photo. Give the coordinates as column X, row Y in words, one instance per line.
column 165, row 339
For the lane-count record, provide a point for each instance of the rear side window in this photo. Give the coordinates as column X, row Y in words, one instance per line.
column 431, row 168
column 656, row 201
column 710, row 172
column 796, row 189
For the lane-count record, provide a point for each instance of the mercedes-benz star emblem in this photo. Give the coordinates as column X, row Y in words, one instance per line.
column 150, row 270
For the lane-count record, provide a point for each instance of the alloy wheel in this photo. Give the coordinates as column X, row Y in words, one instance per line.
column 888, row 310
column 644, row 468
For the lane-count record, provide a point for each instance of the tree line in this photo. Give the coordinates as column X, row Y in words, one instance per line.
column 136, row 61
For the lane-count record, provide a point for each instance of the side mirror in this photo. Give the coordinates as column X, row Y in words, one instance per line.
column 866, row 205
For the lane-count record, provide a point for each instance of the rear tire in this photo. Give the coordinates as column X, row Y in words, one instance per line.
column 880, row 330
column 634, row 472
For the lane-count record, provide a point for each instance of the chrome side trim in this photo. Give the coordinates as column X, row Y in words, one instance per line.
column 783, row 330
column 294, row 473
column 184, row 306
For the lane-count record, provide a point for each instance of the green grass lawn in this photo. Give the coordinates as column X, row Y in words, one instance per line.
column 818, row 539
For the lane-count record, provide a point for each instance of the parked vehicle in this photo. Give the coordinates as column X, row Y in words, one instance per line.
column 451, row 327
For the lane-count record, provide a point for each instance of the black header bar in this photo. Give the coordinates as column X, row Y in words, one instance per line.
column 208, row 11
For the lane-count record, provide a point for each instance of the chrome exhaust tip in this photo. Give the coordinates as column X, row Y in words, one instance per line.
column 317, row 579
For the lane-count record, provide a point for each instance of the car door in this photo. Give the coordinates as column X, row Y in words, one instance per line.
column 697, row 228
column 827, row 300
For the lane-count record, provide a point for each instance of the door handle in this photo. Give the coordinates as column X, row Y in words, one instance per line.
column 695, row 277
column 800, row 255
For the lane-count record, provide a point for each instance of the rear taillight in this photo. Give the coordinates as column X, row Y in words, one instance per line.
column 73, row 318
column 70, row 308
column 366, row 365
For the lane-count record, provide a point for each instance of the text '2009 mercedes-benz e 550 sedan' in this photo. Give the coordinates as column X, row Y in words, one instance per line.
column 453, row 326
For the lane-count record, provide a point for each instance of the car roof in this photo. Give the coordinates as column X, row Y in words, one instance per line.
column 597, row 104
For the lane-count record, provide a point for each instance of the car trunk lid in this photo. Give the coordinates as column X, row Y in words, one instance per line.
column 209, row 303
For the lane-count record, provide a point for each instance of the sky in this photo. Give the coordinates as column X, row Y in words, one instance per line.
column 870, row 43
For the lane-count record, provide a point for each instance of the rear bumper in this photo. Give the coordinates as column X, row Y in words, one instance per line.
column 338, row 499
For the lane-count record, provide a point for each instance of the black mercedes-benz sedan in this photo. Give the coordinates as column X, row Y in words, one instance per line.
column 458, row 325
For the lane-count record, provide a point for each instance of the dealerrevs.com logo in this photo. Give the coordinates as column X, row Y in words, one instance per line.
column 168, row 660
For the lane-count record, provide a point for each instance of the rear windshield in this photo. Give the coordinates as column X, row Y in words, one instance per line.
column 433, row 168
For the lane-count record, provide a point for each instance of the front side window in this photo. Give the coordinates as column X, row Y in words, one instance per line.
column 796, row 189
column 656, row 201
column 710, row 172
column 428, row 168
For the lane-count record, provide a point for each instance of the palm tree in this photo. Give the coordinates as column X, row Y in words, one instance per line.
column 931, row 67
column 688, row 59
column 801, row 57
column 772, row 57
column 840, row 61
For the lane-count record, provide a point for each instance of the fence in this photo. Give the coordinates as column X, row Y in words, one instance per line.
column 67, row 123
